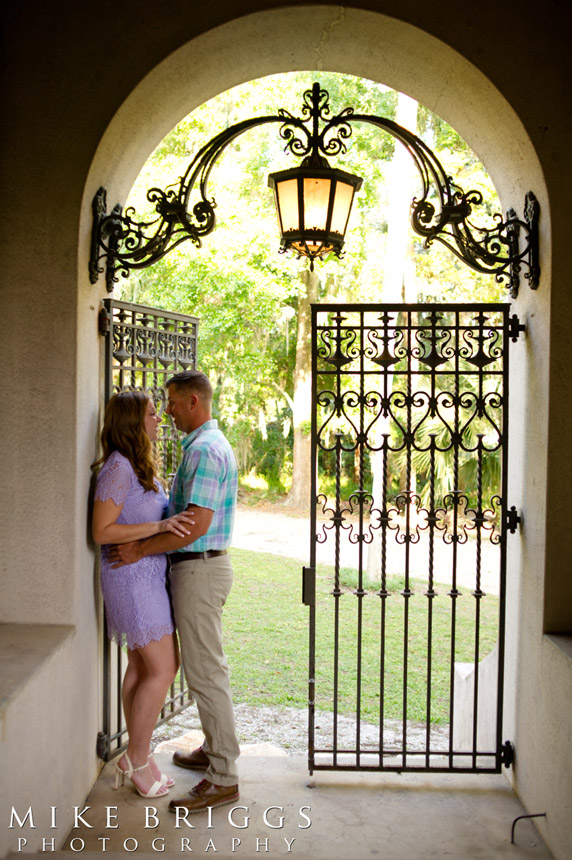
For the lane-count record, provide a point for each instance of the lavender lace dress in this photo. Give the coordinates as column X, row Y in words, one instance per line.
column 137, row 604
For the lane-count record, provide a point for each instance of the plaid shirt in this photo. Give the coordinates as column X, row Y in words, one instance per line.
column 207, row 477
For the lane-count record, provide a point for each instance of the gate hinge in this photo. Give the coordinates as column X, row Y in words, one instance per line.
column 512, row 520
column 309, row 586
column 515, row 328
column 101, row 746
column 507, row 754
column 104, row 322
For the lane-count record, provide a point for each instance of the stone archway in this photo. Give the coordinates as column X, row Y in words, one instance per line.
column 406, row 58
column 351, row 41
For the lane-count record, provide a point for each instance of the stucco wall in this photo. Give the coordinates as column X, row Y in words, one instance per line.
column 88, row 100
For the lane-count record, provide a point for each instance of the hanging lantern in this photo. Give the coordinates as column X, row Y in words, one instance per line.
column 313, row 205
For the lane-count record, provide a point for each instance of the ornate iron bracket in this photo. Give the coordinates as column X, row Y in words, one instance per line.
column 120, row 243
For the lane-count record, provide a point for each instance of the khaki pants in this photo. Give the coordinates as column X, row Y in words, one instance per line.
column 199, row 589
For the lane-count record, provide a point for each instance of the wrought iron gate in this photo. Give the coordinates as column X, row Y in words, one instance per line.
column 409, row 441
column 143, row 347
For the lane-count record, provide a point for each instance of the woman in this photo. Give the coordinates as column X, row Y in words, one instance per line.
column 129, row 505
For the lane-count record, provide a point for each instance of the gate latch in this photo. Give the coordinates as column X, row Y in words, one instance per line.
column 512, row 520
column 309, row 586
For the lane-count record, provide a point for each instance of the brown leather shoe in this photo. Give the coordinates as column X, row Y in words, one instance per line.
column 206, row 794
column 195, row 760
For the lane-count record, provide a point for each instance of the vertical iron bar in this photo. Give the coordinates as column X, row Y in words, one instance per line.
column 313, row 502
column 430, row 593
column 337, row 596
column 503, row 536
column 383, row 594
column 133, row 329
column 456, row 501
column 360, row 590
column 406, row 593
column 108, row 390
column 119, row 703
column 337, row 593
column 477, row 594
column 122, row 316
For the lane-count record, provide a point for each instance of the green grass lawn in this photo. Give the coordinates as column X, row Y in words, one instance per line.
column 266, row 641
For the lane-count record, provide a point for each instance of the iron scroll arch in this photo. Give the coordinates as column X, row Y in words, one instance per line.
column 120, row 243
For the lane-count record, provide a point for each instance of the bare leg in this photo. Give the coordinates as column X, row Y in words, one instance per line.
column 156, row 770
column 133, row 676
column 150, row 672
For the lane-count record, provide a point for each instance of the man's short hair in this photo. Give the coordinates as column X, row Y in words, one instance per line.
column 192, row 380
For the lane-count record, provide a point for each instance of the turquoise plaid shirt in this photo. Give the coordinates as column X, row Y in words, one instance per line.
column 207, row 476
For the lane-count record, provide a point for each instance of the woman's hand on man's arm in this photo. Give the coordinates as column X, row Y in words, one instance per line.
column 178, row 524
column 106, row 530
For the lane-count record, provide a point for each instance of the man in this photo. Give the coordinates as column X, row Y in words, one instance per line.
column 200, row 579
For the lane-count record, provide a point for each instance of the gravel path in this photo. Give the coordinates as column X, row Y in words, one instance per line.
column 287, row 729
column 275, row 530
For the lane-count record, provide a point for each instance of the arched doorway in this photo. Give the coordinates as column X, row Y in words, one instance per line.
column 371, row 45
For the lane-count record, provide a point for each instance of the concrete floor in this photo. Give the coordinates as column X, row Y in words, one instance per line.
column 353, row 816
column 326, row 816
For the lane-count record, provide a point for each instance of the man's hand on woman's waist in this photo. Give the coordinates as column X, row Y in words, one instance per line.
column 130, row 553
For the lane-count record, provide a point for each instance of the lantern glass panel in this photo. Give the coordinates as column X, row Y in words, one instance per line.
column 342, row 206
column 287, row 194
column 316, row 199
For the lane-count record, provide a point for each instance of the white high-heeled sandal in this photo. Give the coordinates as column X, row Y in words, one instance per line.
column 166, row 780
column 158, row 789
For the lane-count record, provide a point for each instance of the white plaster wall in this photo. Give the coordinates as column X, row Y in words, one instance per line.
column 543, row 769
column 45, row 729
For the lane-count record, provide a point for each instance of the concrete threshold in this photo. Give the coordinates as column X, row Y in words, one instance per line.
column 283, row 811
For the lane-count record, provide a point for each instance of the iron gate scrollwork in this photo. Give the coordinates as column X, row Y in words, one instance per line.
column 409, row 441
column 143, row 348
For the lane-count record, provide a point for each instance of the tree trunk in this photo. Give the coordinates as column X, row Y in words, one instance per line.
column 302, row 411
column 401, row 191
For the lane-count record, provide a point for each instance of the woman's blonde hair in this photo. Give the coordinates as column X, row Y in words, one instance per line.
column 124, row 431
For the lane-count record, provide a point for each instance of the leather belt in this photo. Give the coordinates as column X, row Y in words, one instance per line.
column 176, row 557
